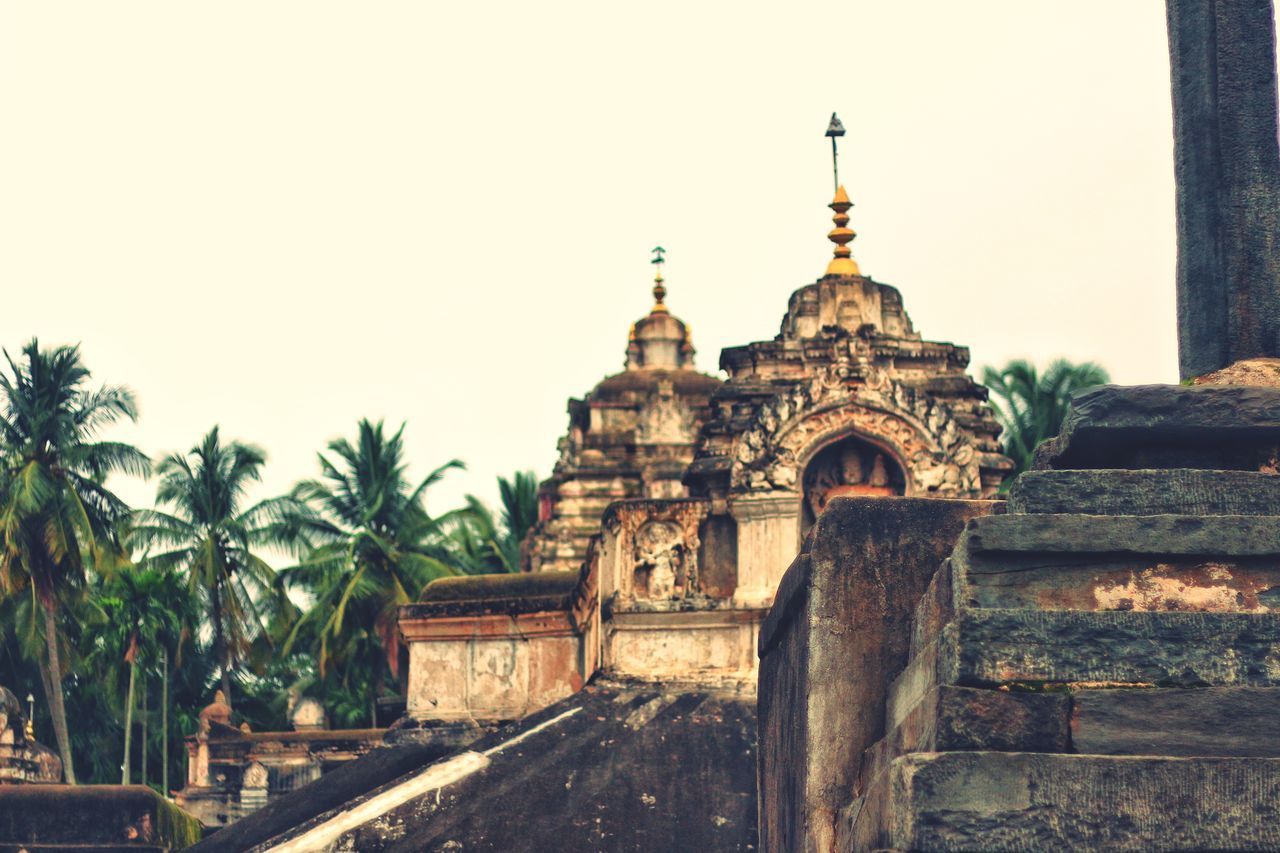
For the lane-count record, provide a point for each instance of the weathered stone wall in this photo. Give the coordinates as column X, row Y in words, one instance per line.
column 836, row 637
column 499, row 647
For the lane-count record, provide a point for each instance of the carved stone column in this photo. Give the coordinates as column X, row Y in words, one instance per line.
column 768, row 539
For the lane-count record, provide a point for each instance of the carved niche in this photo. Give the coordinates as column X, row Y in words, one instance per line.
column 664, row 419
column 662, row 568
column 255, row 776
column 849, row 467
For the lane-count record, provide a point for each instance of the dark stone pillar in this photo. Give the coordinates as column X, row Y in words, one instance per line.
column 1227, row 159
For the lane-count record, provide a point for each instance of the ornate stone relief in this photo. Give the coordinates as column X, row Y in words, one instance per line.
column 936, row 455
column 255, row 776
column 660, row 563
column 664, row 419
column 658, row 546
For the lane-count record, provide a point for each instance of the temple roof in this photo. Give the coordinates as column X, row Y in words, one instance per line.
column 594, row 771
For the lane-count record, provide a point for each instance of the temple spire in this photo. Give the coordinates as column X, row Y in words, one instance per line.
column 659, row 288
column 843, row 262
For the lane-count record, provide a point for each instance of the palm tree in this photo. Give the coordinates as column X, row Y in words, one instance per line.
column 213, row 538
column 480, row 543
column 374, row 548
column 53, row 505
column 1031, row 406
column 149, row 612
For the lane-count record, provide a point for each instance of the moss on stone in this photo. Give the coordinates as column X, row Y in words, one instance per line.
column 501, row 586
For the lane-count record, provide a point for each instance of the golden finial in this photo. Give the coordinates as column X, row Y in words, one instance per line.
column 31, row 716
column 659, row 289
column 843, row 262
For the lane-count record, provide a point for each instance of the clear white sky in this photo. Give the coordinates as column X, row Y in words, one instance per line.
column 280, row 217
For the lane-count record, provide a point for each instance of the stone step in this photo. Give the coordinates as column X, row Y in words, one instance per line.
column 1035, row 801
column 1170, row 491
column 1218, row 721
column 1223, row 564
column 1168, row 426
column 994, row 647
column 1221, row 721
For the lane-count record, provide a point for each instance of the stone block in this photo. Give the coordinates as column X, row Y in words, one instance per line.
column 1169, row 492
column 996, row 647
column 949, row 718
column 1168, row 426
column 1210, row 536
column 1034, row 801
column 1221, row 721
column 1221, row 564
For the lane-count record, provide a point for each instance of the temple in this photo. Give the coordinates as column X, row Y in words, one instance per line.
column 632, row 436
column 232, row 771
column 629, row 644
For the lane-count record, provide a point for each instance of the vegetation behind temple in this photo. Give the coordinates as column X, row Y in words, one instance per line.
column 150, row 609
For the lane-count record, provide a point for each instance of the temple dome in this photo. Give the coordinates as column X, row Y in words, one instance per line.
column 659, row 340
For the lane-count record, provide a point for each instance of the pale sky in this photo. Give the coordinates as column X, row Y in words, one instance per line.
column 283, row 216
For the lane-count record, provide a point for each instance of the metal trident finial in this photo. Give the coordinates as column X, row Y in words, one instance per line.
column 834, row 129
column 659, row 289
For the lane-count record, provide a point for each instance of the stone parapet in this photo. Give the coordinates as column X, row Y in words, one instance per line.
column 495, row 648
column 837, row 634
column 84, row 818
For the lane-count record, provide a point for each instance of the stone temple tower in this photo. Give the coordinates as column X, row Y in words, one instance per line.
column 632, row 436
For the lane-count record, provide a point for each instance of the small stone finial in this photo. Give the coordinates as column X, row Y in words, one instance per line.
column 843, row 263
column 659, row 288
column 31, row 715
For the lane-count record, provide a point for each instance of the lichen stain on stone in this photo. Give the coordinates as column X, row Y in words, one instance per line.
column 1272, row 663
column 1209, row 588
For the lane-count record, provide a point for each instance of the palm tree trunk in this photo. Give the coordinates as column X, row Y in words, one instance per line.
column 221, row 650
column 128, row 723
column 142, row 715
column 164, row 723
column 226, row 682
column 57, row 707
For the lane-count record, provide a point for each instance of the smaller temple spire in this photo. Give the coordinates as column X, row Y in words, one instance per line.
column 659, row 288
column 843, row 262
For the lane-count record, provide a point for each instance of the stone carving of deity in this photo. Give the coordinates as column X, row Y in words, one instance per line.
column 664, row 419
column 846, row 474
column 660, row 558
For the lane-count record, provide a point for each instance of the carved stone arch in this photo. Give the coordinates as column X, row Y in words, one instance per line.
column 808, row 451
column 921, row 433
column 905, row 442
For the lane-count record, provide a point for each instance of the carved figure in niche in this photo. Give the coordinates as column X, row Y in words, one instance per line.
column 664, row 419
column 850, row 467
column 660, row 565
column 255, row 776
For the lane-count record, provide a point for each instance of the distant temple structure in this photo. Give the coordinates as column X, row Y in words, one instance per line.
column 628, row 646
column 633, row 436
column 705, row 488
column 22, row 758
column 233, row 772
